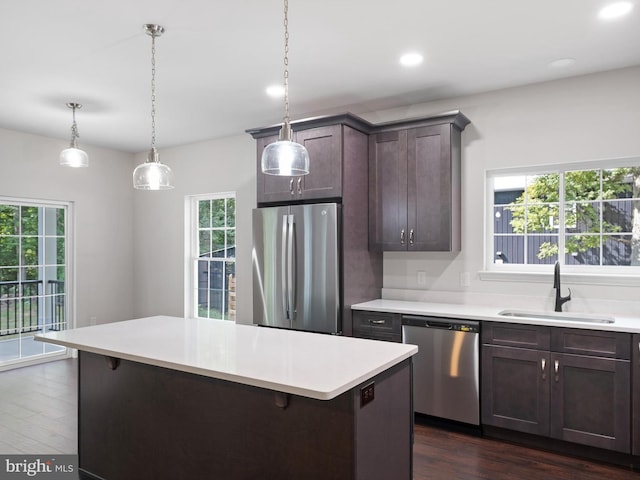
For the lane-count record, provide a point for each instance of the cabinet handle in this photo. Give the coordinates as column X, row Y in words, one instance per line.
column 299, row 185
column 411, row 237
column 291, row 186
column 543, row 364
column 556, row 367
column 376, row 322
column 402, row 237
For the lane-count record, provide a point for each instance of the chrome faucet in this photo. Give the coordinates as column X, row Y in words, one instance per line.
column 556, row 284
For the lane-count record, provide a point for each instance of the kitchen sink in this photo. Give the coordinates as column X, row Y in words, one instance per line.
column 571, row 317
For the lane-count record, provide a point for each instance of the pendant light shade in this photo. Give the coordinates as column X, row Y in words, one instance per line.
column 285, row 157
column 153, row 175
column 73, row 156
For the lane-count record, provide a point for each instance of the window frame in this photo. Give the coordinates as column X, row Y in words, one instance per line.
column 192, row 246
column 69, row 275
column 580, row 274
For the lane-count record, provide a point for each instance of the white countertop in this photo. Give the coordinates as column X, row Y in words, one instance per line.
column 471, row 312
column 308, row 364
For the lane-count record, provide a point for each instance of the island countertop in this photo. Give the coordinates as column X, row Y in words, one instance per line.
column 312, row 365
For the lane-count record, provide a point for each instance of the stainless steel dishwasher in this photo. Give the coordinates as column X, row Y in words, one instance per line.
column 446, row 376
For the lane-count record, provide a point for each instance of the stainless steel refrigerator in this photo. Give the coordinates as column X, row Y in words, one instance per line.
column 296, row 267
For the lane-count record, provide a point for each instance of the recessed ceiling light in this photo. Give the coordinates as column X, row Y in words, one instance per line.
column 615, row 10
column 275, row 91
column 562, row 62
column 411, row 59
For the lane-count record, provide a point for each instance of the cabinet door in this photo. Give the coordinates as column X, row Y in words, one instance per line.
column 388, row 191
column 590, row 401
column 635, row 393
column 272, row 188
column 433, row 180
column 515, row 389
column 324, row 145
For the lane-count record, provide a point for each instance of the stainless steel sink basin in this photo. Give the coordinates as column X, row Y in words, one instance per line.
column 562, row 316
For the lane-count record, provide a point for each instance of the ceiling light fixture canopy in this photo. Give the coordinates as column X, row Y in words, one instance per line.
column 73, row 156
column 153, row 175
column 285, row 157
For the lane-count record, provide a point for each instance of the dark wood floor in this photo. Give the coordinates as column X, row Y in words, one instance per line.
column 38, row 415
column 444, row 455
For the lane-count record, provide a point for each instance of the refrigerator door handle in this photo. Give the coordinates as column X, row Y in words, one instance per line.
column 291, row 274
column 283, row 256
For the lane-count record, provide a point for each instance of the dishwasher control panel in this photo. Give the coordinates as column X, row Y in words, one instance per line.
column 441, row 323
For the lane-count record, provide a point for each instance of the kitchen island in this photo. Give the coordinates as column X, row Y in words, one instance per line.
column 173, row 398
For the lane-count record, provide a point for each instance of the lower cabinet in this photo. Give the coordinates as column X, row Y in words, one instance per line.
column 581, row 397
column 377, row 325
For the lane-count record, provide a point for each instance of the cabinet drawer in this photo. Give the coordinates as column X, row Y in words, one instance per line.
column 373, row 335
column 516, row 335
column 591, row 342
column 368, row 323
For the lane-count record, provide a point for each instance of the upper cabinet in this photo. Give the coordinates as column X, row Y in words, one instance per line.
column 414, row 184
column 328, row 141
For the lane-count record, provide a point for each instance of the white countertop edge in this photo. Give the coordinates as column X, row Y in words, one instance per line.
column 318, row 393
column 483, row 313
column 244, row 380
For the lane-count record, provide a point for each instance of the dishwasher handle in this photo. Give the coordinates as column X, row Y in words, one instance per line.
column 441, row 323
column 438, row 324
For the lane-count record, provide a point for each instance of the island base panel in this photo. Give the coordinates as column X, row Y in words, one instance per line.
column 140, row 421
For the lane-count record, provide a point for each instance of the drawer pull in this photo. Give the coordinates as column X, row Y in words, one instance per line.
column 376, row 322
column 543, row 364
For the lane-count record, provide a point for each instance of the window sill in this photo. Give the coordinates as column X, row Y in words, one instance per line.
column 569, row 277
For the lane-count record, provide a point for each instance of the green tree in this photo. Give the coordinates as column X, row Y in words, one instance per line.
column 537, row 209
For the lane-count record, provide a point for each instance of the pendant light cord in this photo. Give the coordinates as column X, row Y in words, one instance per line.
column 286, row 62
column 153, row 91
column 74, row 126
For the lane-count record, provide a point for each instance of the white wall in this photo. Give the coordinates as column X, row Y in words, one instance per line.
column 102, row 197
column 130, row 244
column 575, row 119
column 589, row 117
column 221, row 165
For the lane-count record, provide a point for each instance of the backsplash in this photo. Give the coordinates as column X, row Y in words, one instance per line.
column 578, row 305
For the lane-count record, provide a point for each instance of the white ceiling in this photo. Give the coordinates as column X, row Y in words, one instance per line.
column 216, row 59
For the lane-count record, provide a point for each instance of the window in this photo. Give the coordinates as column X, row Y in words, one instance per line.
column 212, row 259
column 586, row 215
column 33, row 277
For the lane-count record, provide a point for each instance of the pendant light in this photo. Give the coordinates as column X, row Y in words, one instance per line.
column 73, row 156
column 285, row 157
column 153, row 175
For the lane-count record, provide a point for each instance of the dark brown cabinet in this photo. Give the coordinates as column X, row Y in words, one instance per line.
column 635, row 393
column 414, row 185
column 568, row 384
column 336, row 153
column 377, row 325
column 324, row 180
